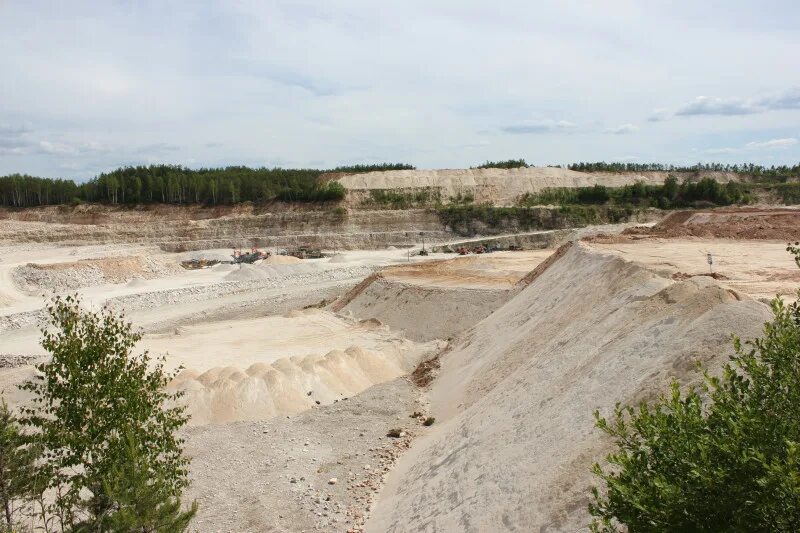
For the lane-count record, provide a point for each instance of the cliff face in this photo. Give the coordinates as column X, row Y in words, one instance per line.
column 497, row 186
column 175, row 228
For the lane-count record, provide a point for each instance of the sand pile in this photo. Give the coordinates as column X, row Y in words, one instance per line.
column 514, row 439
column 90, row 272
column 282, row 260
column 292, row 385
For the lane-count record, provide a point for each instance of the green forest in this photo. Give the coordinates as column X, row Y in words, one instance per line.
column 175, row 184
column 671, row 194
column 774, row 172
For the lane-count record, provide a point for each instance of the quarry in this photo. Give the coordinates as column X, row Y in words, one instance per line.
column 397, row 380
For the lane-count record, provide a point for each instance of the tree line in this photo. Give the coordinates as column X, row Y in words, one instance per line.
column 508, row 163
column 669, row 195
column 175, row 184
column 780, row 172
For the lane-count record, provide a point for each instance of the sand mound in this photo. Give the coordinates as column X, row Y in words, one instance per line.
column 514, row 439
column 261, row 391
column 282, row 260
column 90, row 272
column 247, row 273
column 339, row 258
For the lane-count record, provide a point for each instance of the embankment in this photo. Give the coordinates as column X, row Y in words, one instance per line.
column 514, row 438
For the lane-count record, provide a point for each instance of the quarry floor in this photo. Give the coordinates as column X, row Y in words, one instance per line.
column 291, row 397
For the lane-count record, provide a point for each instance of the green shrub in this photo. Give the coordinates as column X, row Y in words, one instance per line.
column 18, row 457
column 404, row 199
column 508, row 163
column 724, row 458
column 94, row 400
column 789, row 193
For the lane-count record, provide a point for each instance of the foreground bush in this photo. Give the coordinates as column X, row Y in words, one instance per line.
column 17, row 469
column 725, row 458
column 112, row 460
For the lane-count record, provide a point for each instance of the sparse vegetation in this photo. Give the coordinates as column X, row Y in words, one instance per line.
column 404, row 199
column 508, row 163
column 429, row 421
column 395, row 433
column 18, row 476
column 469, row 219
column 724, row 458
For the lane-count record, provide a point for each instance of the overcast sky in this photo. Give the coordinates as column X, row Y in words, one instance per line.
column 87, row 87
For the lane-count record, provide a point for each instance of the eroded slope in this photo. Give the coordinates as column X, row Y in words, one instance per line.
column 514, row 438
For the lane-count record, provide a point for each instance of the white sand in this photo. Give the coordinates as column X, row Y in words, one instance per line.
column 494, row 185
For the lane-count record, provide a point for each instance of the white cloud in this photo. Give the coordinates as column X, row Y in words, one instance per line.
column 622, row 129
column 705, row 105
column 539, row 126
column 772, row 144
column 720, row 151
column 61, row 148
column 754, row 146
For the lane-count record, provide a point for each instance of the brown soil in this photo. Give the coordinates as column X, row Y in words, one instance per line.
column 426, row 372
column 680, row 276
column 726, row 223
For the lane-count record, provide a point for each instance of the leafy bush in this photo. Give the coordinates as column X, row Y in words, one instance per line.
column 18, row 477
column 724, row 458
column 97, row 411
column 789, row 193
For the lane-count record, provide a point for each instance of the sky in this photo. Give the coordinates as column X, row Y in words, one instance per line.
column 90, row 86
